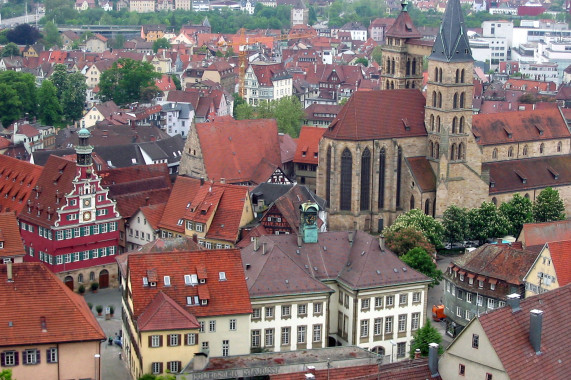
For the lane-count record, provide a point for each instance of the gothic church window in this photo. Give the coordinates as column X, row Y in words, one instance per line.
column 399, row 177
column 427, row 207
column 524, row 151
column 454, row 122
column 453, row 152
column 432, row 123
column 431, row 148
column 510, row 151
column 413, row 69
column 457, row 75
column 346, row 177
column 461, row 128
column 328, row 176
column 365, row 179
column 382, row 159
column 438, row 124
column 495, row 153
column 433, row 98
column 559, row 145
column 541, row 148
column 412, row 202
column 439, row 99
column 462, row 96
column 455, row 101
column 461, row 151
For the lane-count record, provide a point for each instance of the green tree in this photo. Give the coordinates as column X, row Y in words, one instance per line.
column 161, row 43
column 377, row 55
column 415, row 218
column 405, row 239
column 49, row 108
column 51, row 35
column 73, row 97
column 244, row 111
column 59, row 78
column 25, row 86
column 456, row 224
column 176, row 81
column 363, row 61
column 10, row 50
column 423, row 337
column 6, row 374
column 149, row 376
column 118, row 42
column 289, row 114
column 24, row 34
column 487, row 222
column 418, row 259
column 548, row 206
column 10, row 105
column 128, row 81
column 518, row 211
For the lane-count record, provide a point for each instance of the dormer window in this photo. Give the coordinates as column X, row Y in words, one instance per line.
column 167, row 280
column 145, row 281
column 204, row 302
column 1, row 244
column 153, row 284
column 222, row 276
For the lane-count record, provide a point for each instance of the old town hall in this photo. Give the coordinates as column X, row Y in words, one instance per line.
column 393, row 150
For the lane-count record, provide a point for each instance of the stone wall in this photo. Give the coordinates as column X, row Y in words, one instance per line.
column 192, row 160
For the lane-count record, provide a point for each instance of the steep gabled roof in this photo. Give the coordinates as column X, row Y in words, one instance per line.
column 509, row 335
column 380, row 115
column 226, row 222
column 17, row 180
column 163, row 313
column 561, row 257
column 308, row 145
column 452, row 41
column 37, row 293
column 403, row 27
column 10, row 236
column 422, row 173
column 182, row 193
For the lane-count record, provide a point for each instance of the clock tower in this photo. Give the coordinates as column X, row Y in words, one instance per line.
column 308, row 223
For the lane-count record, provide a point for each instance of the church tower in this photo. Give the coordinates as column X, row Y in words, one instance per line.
column 402, row 68
column 452, row 151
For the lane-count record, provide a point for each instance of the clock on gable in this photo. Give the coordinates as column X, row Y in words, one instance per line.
column 87, row 202
column 87, row 216
column 309, row 230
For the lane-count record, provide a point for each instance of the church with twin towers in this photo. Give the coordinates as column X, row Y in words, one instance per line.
column 398, row 149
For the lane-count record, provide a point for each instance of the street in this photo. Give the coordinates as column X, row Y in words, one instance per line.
column 112, row 365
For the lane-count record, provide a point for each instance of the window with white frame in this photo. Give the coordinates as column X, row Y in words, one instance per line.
column 470, row 297
column 212, row 326
column 480, row 283
column 174, row 367
column 269, row 311
column 415, row 321
column 458, row 312
column 286, row 311
column 378, row 302
column 155, row 340
column 9, row 358
column 232, row 324
column 364, row 328
column 302, row 309
column 269, row 337
column 205, row 345
column 378, row 326
column 301, row 334
column 285, row 336
column 157, row 367
column 317, row 333
column 467, row 315
column 255, row 338
column 390, row 301
column 31, row 356
column 388, row 325
column 225, row 347
column 416, row 297
column 256, row 313
column 365, row 303
column 173, row 340
column 317, row 308
column 402, row 322
column 201, row 326
column 493, row 286
column 403, row 299
column 401, row 350
column 479, row 300
column 190, row 339
column 491, row 303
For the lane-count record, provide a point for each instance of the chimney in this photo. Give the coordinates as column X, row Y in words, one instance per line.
column 433, row 359
column 147, row 201
column 264, row 248
column 256, row 244
column 382, row 242
column 9, row 271
column 299, row 240
column 535, row 324
column 350, row 235
column 513, row 301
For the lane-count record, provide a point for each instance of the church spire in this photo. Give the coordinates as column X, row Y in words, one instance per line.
column 452, row 42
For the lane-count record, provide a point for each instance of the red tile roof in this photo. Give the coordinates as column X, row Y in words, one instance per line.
column 529, row 85
column 10, row 236
column 380, row 115
column 153, row 214
column 226, row 222
column 561, row 257
column 237, row 149
column 129, row 204
column 111, row 178
column 403, row 27
column 37, row 293
column 508, row 333
column 528, row 174
column 510, row 127
column 182, row 193
column 422, row 173
column 25, row 129
column 267, row 73
column 288, row 146
column 308, row 145
column 163, row 313
column 17, row 179
column 540, row 233
column 227, row 297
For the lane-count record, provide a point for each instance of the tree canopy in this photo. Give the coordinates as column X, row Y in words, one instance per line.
column 403, row 240
column 24, row 34
column 10, row 50
column 161, row 43
column 287, row 111
column 18, row 96
column 420, row 260
column 415, row 218
column 517, row 211
column 71, row 90
column 423, row 337
column 128, row 81
column 548, row 206
column 487, row 222
column 456, row 224
column 49, row 110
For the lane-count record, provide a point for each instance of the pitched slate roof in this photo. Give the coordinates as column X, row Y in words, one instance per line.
column 403, row 27
column 17, row 179
column 561, row 257
column 530, row 173
column 499, row 261
column 380, row 115
column 452, row 41
column 236, row 149
column 37, row 293
column 422, row 173
column 10, row 236
column 308, row 145
column 508, row 333
column 540, row 233
column 163, row 313
column 227, row 297
column 521, row 126
column 358, row 265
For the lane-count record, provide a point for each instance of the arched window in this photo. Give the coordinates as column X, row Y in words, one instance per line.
column 412, row 85
column 495, row 201
column 439, row 99
column 393, row 66
column 413, row 69
column 427, row 207
column 80, row 278
column 431, row 148
column 388, row 85
column 91, row 276
column 382, row 159
column 453, row 152
column 510, row 151
column 455, row 101
column 328, row 170
column 457, row 75
column 436, row 150
column 388, row 65
column 495, row 153
column 408, row 67
column 462, row 77
column 440, row 75
column 454, row 122
column 434, row 208
column 462, row 100
column 559, row 146
column 365, row 179
column 399, row 176
column 436, row 74
column 461, row 151
column 434, row 99
column 346, row 177
column 461, row 127
column 432, row 123
column 541, row 148
column 524, row 150
column 412, row 202
column 438, row 124
column 392, row 85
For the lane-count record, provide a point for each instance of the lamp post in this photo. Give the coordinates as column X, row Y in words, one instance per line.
column 393, row 343
column 96, row 360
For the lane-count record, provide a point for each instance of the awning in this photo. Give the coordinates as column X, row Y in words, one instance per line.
column 492, row 281
column 481, row 278
column 471, row 275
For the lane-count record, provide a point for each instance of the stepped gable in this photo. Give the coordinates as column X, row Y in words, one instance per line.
column 371, row 115
column 452, row 41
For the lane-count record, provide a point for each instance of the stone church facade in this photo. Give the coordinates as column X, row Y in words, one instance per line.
column 391, row 151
